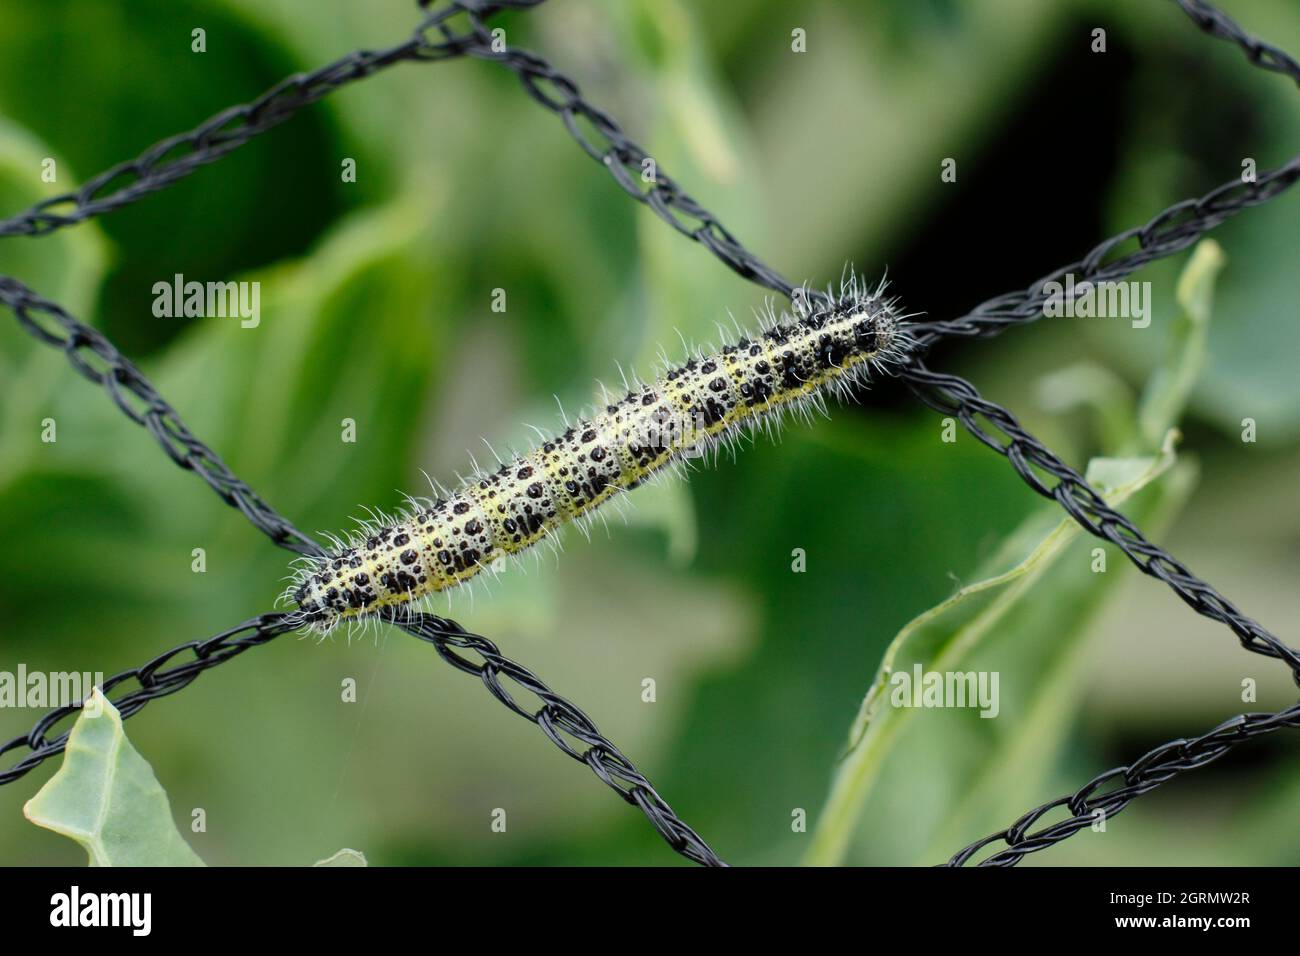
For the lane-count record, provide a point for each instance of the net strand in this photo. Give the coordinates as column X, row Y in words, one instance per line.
column 1049, row 476
column 563, row 723
column 560, row 720
column 153, row 681
column 1091, row 805
column 94, row 357
column 176, row 157
column 1168, row 233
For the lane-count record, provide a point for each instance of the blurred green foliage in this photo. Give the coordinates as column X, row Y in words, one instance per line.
column 376, row 306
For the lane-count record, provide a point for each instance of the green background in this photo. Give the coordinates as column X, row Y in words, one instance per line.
column 376, row 306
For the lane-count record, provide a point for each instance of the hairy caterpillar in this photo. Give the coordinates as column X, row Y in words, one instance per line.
column 433, row 545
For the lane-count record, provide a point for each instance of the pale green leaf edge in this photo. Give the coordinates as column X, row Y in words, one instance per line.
column 344, row 857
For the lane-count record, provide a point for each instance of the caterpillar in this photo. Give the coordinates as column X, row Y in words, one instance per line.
column 433, row 545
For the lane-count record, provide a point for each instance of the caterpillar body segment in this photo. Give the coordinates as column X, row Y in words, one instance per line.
column 434, row 545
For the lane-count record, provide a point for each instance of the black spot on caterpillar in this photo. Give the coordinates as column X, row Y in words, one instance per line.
column 434, row 545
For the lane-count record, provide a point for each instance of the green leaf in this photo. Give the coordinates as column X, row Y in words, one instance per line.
column 1012, row 770
column 945, row 637
column 1167, row 392
column 106, row 797
column 344, row 857
column 1044, row 580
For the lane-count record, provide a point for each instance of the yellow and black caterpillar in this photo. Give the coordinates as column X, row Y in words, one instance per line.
column 434, row 545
